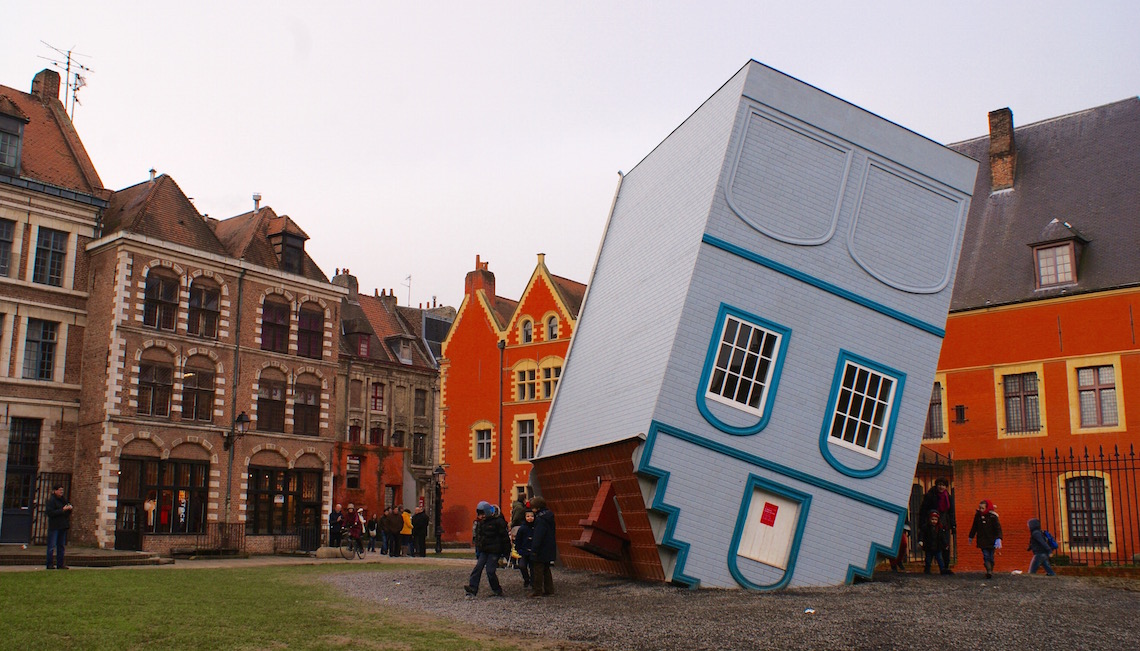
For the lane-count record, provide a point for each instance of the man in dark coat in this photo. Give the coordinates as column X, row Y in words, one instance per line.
column 544, row 549
column 336, row 526
column 419, row 532
column 492, row 541
column 59, row 522
column 393, row 523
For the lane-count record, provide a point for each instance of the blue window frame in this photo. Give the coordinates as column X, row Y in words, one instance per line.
column 861, row 412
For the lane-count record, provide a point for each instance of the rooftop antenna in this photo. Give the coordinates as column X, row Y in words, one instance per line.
column 409, row 286
column 73, row 80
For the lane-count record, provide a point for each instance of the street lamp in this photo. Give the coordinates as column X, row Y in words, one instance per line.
column 237, row 430
column 439, row 474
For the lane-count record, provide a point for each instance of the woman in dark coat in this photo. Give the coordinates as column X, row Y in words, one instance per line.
column 543, row 549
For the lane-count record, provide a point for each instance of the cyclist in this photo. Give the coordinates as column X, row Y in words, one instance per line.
column 354, row 526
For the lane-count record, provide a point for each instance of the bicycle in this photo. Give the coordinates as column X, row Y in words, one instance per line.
column 351, row 548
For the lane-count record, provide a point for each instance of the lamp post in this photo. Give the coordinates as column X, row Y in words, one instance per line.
column 439, row 474
column 237, row 430
column 502, row 347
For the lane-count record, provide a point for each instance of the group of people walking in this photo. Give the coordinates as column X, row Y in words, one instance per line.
column 398, row 530
column 528, row 540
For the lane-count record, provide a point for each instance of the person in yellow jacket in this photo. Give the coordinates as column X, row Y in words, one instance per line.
column 406, row 532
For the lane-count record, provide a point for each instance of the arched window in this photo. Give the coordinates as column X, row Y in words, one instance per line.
column 275, row 325
column 551, row 328
column 527, row 332
column 310, row 331
column 156, row 376
column 271, row 401
column 307, row 406
column 204, row 307
column 198, row 389
column 160, row 307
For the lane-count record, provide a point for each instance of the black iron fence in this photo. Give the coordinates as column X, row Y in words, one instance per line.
column 1090, row 503
column 222, row 537
column 45, row 482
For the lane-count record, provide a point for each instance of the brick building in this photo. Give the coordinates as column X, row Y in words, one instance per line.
column 50, row 204
column 388, row 388
column 493, row 420
column 196, row 325
column 1040, row 367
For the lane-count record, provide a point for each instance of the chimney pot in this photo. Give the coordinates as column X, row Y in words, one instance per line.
column 152, row 175
column 257, row 205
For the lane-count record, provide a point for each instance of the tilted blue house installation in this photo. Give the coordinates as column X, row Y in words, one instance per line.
column 754, row 357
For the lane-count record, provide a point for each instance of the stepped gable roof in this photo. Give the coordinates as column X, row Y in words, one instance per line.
column 51, row 151
column 246, row 236
column 1082, row 170
column 160, row 209
column 571, row 292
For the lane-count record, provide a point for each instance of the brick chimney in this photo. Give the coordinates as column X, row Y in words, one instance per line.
column 479, row 279
column 45, row 85
column 1003, row 150
column 345, row 279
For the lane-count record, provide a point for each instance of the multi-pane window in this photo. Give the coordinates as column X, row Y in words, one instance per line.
column 204, row 309
column 9, row 149
column 23, row 463
column 39, row 349
column 310, row 332
column 1087, row 510
column 527, row 332
column 552, row 328
column 160, row 308
column 198, row 390
column 1096, row 386
column 862, row 409
column 275, row 326
column 421, row 403
column 362, row 345
column 526, row 439
column 935, row 428
column 419, row 448
column 174, row 493
column 1055, row 265
column 376, row 435
column 51, row 251
column 377, row 397
column 526, row 384
column 156, row 376
column 271, row 401
column 354, row 433
column 550, row 375
column 307, row 407
column 744, row 365
column 7, row 234
column 1022, row 404
column 352, row 472
column 482, row 444
column 282, row 501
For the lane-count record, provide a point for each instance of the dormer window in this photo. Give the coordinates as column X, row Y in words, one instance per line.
column 11, row 129
column 362, row 345
column 292, row 253
column 1055, row 265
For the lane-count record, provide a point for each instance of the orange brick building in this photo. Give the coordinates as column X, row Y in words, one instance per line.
column 501, row 363
column 1040, row 368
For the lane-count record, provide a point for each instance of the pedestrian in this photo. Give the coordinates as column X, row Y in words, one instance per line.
column 353, row 526
column 544, row 549
column 59, row 522
column 336, row 526
column 518, row 511
column 420, row 523
column 524, row 537
column 900, row 558
column 406, row 531
column 1040, row 547
column 491, row 543
column 932, row 539
column 987, row 528
column 393, row 523
column 371, row 528
column 940, row 499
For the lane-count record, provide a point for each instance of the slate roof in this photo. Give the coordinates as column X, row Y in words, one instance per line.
column 571, row 292
column 1082, row 170
column 51, row 151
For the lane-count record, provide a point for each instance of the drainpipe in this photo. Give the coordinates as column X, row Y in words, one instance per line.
column 233, row 389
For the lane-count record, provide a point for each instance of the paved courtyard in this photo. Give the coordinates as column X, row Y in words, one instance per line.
column 909, row 611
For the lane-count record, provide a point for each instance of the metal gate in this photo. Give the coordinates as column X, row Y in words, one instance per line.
column 44, row 484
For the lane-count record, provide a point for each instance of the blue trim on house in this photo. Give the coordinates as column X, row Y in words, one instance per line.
column 644, row 467
column 823, row 285
column 829, row 414
column 803, row 499
column 710, row 362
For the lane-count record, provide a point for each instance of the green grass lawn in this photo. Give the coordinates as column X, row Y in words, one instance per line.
column 255, row 608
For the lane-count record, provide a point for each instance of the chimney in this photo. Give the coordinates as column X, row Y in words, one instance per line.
column 345, row 279
column 257, row 206
column 152, row 175
column 388, row 300
column 45, row 85
column 481, row 278
column 1003, row 150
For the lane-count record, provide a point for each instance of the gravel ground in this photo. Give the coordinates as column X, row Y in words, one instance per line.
column 908, row 611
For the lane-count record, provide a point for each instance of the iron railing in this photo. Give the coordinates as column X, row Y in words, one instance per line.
column 44, row 484
column 222, row 537
column 1090, row 503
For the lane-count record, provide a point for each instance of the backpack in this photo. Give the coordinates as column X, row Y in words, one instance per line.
column 1049, row 539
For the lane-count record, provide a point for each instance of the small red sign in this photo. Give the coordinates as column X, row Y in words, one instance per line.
column 769, row 515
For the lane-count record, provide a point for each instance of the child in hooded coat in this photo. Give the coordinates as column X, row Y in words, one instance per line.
column 933, row 539
column 987, row 528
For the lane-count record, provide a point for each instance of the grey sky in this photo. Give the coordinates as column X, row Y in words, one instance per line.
column 408, row 137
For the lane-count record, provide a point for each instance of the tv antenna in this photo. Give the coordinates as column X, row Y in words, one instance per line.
column 409, row 286
column 75, row 75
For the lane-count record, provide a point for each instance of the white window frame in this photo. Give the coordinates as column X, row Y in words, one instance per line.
column 717, row 369
column 884, row 423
